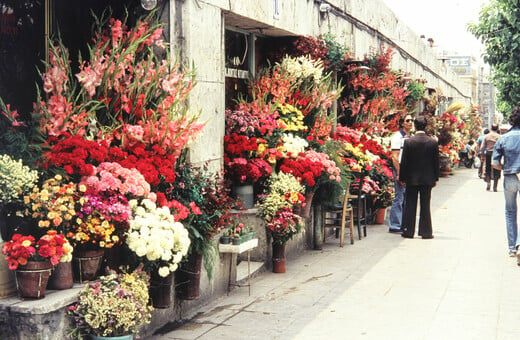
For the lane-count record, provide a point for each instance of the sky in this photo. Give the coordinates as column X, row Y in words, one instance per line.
column 442, row 20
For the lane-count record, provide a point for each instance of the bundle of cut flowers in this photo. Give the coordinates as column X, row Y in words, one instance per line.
column 16, row 179
column 23, row 248
column 155, row 239
column 240, row 160
column 115, row 305
column 284, row 191
column 284, row 225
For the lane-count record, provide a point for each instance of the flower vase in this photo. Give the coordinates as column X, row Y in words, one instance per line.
column 86, row 264
column 244, row 192
column 187, row 278
column 161, row 290
column 306, row 210
column 32, row 279
column 380, row 216
column 61, row 276
column 278, row 258
column 121, row 337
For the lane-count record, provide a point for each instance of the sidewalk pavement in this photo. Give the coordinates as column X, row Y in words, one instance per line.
column 459, row 285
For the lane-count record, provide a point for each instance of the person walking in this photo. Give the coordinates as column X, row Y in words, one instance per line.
column 419, row 169
column 395, row 220
column 488, row 143
column 506, row 157
column 481, row 157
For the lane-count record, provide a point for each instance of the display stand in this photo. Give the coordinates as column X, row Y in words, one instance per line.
column 238, row 249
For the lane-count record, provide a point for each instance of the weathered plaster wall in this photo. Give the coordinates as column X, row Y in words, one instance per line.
column 364, row 26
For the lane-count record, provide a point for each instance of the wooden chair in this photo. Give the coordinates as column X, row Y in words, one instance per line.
column 359, row 200
column 336, row 217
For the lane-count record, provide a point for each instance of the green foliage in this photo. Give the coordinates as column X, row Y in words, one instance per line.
column 19, row 141
column 499, row 30
column 336, row 54
column 417, row 90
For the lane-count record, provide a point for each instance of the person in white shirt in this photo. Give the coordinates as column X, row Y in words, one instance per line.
column 395, row 220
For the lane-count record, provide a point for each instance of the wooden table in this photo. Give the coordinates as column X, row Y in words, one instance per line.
column 238, row 249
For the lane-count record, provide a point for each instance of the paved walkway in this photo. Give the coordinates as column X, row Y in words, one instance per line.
column 460, row 285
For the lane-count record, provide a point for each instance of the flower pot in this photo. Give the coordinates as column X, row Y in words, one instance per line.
column 86, row 264
column 121, row 337
column 161, row 290
column 278, row 258
column 236, row 241
column 32, row 279
column 245, row 193
column 380, row 216
column 225, row 239
column 187, row 278
column 61, row 276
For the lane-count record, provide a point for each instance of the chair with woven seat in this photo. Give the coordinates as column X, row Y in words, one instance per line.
column 335, row 216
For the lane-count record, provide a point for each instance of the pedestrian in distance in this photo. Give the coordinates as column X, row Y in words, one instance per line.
column 481, row 157
column 395, row 219
column 506, row 157
column 488, row 143
column 419, row 169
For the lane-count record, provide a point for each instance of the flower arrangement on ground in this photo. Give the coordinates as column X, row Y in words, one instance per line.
column 23, row 248
column 155, row 239
column 284, row 191
column 115, row 305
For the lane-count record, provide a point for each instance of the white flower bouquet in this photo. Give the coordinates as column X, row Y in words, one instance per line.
column 155, row 238
column 16, row 179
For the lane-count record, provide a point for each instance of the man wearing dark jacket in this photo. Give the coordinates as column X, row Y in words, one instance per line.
column 420, row 171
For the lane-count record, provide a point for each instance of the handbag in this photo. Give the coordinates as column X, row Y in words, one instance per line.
column 476, row 162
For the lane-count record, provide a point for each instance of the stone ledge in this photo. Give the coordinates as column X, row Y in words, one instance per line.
column 53, row 301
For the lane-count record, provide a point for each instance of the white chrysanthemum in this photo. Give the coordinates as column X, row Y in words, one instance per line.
column 164, row 271
column 293, row 145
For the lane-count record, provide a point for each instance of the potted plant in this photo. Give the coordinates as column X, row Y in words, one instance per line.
column 204, row 208
column 114, row 306
column 32, row 260
column 277, row 209
column 226, row 236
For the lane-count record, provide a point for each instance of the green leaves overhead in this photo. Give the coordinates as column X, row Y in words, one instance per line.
column 499, row 30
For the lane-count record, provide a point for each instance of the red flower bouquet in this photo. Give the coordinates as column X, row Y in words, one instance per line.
column 240, row 162
column 20, row 249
